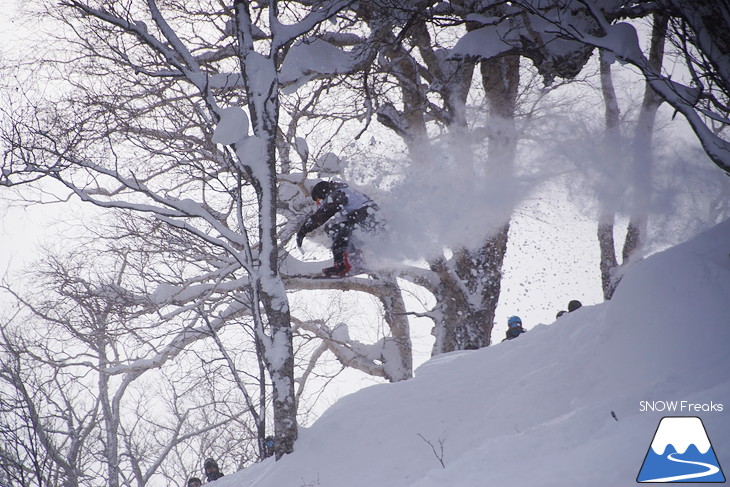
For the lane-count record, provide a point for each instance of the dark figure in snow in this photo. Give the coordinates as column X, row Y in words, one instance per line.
column 269, row 446
column 574, row 305
column 194, row 482
column 211, row 470
column 343, row 210
column 514, row 327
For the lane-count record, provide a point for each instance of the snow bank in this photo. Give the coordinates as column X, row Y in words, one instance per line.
column 561, row 405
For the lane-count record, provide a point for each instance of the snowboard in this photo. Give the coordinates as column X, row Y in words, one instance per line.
column 352, row 273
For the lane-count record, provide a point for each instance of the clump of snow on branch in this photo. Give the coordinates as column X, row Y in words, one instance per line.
column 302, row 148
column 232, row 127
column 330, row 164
column 252, row 152
column 624, row 40
column 311, row 58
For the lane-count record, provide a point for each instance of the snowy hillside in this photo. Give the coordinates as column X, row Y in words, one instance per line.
column 537, row 410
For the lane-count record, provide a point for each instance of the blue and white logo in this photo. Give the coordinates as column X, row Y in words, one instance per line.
column 681, row 452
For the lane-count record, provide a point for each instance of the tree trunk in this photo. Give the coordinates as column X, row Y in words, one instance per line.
column 469, row 292
column 468, row 295
column 279, row 352
column 613, row 142
column 111, row 420
column 643, row 155
column 608, row 254
column 262, row 90
column 399, row 367
column 642, row 162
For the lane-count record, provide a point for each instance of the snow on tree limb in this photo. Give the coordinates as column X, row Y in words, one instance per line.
column 313, row 58
column 350, row 353
column 525, row 28
column 621, row 39
column 168, row 208
column 283, row 34
column 178, row 57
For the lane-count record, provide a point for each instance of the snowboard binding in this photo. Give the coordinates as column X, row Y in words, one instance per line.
column 351, row 265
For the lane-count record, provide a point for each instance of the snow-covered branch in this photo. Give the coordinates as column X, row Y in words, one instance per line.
column 179, row 56
column 283, row 35
column 350, row 353
column 622, row 40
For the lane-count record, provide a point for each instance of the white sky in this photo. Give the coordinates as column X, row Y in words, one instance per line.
column 17, row 228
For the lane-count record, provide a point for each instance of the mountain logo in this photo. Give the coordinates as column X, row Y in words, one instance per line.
column 680, row 452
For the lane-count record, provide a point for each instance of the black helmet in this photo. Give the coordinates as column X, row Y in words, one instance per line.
column 209, row 462
column 574, row 305
column 321, row 190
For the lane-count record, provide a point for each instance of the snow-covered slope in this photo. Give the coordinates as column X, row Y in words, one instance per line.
column 539, row 410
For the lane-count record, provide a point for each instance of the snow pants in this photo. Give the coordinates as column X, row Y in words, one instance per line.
column 341, row 232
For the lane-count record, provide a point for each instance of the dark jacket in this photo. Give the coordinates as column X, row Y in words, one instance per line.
column 514, row 332
column 347, row 205
column 214, row 476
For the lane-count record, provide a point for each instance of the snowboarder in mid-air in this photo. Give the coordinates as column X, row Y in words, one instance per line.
column 344, row 210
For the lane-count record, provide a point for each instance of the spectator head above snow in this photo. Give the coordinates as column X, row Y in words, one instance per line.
column 210, row 463
column 574, row 305
column 514, row 321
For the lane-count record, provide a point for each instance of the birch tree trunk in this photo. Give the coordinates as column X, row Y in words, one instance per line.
column 613, row 145
column 263, row 103
column 641, row 162
column 643, row 158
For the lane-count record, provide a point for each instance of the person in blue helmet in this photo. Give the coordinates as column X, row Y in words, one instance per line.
column 342, row 210
column 269, row 444
column 514, row 327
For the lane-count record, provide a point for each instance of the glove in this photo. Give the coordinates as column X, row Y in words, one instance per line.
column 300, row 238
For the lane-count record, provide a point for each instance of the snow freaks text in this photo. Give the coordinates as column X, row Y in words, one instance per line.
column 680, row 407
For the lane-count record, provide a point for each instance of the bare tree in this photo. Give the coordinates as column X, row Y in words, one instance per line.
column 186, row 128
column 607, row 218
column 23, row 459
column 551, row 35
column 642, row 146
column 67, row 372
column 642, row 162
column 433, row 81
column 701, row 33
